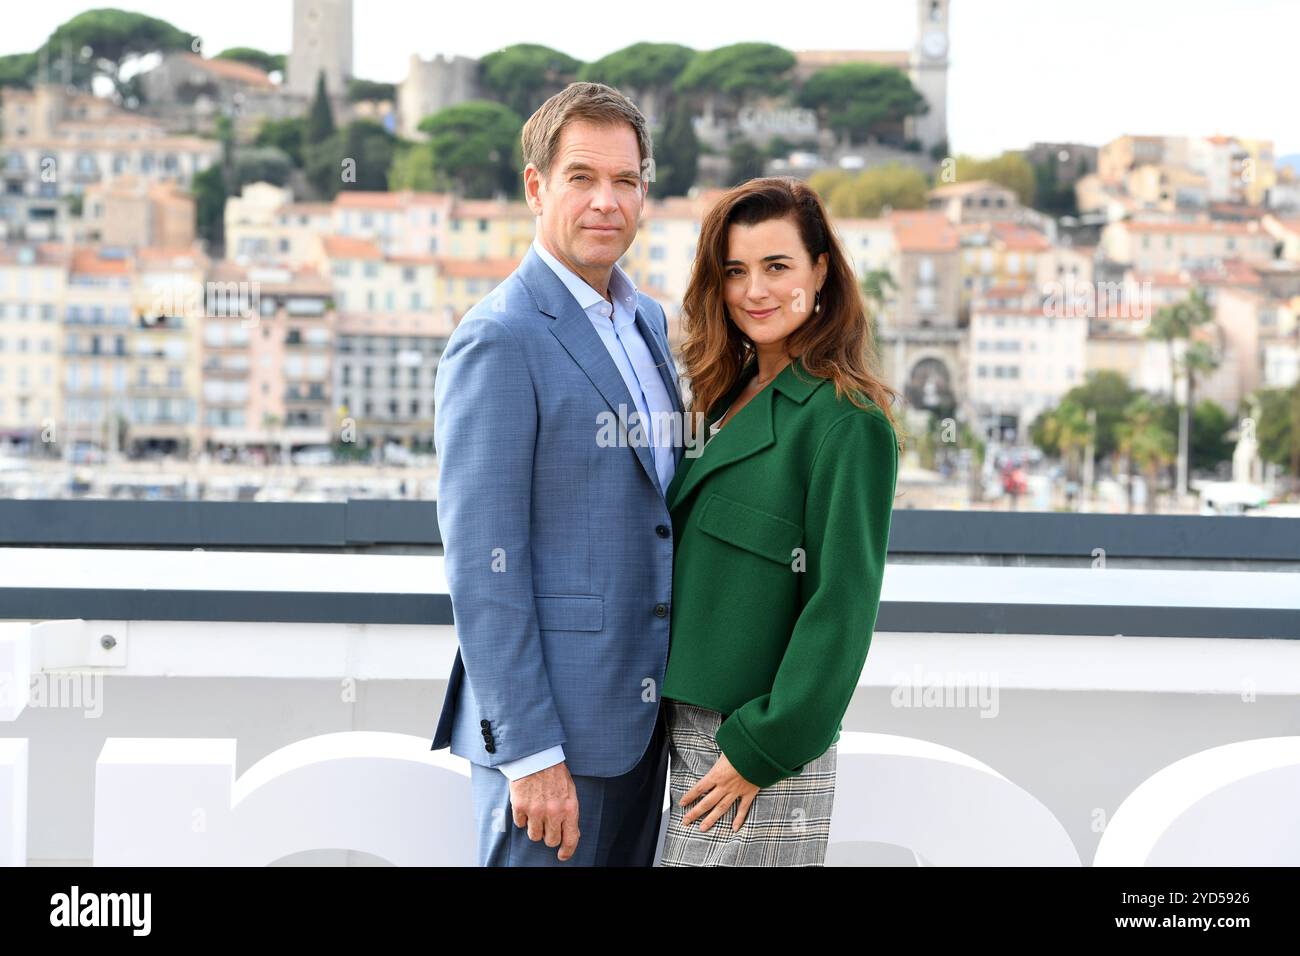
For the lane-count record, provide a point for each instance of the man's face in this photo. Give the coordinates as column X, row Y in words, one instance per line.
column 590, row 203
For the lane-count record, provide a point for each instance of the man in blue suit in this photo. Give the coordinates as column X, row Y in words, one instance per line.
column 555, row 403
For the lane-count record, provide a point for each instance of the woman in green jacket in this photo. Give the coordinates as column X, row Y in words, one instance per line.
column 781, row 522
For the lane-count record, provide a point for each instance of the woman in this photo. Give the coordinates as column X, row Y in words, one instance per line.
column 781, row 525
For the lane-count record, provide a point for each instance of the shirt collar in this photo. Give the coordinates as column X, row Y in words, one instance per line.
column 621, row 287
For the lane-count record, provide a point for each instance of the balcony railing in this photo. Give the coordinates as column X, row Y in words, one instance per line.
column 1043, row 667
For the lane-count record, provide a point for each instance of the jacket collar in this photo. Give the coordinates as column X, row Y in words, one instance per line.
column 573, row 328
column 749, row 431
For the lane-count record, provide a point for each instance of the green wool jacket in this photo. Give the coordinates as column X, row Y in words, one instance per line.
column 780, row 528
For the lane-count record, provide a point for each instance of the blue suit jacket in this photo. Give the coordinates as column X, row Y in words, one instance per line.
column 558, row 543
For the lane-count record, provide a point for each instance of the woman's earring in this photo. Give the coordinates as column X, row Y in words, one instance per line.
column 817, row 301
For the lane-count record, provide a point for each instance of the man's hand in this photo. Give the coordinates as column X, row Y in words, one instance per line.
column 547, row 803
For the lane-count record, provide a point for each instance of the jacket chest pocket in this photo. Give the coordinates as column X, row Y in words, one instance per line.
column 750, row 529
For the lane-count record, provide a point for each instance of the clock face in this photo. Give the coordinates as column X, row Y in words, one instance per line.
column 934, row 43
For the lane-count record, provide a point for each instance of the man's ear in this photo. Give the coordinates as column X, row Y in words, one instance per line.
column 533, row 186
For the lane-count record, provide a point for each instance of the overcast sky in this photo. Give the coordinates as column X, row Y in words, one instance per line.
column 1022, row 70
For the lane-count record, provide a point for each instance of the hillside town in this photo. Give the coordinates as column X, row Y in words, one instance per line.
column 257, row 258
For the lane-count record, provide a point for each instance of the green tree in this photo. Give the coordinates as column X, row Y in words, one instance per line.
column 645, row 72
column 260, row 164
column 522, row 76
column 413, row 168
column 746, row 162
column 868, row 193
column 267, row 62
column 474, row 144
column 862, row 100
column 877, row 285
column 360, row 90
column 1010, row 169
column 1049, row 195
column 320, row 118
column 1067, row 431
column 1178, row 323
column 679, row 154
column 1146, row 442
column 1210, row 443
column 1278, row 427
column 288, row 135
column 210, row 206
column 18, row 69
column 739, row 71
column 105, row 41
column 357, row 157
column 1106, row 392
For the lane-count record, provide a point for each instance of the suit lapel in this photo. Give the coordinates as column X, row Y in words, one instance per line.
column 663, row 362
column 573, row 328
column 749, row 432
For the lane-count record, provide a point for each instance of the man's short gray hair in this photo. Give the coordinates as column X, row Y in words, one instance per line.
column 592, row 102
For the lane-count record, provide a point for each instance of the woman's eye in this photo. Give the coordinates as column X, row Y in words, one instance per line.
column 779, row 265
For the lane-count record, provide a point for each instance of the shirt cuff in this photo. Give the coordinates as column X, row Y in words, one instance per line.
column 514, row 769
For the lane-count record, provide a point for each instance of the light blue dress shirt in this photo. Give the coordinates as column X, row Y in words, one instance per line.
column 636, row 364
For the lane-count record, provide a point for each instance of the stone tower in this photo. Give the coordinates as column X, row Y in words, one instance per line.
column 930, row 71
column 322, row 41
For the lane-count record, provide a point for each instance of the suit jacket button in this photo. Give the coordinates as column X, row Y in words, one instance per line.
column 490, row 748
column 487, row 734
column 661, row 610
column 485, row 723
column 662, row 531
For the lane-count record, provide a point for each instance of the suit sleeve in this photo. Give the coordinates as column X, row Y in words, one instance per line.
column 485, row 429
column 847, row 515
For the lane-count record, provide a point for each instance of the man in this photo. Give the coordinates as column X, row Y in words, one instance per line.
column 558, row 541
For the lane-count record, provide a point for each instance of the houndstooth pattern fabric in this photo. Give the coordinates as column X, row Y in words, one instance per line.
column 787, row 825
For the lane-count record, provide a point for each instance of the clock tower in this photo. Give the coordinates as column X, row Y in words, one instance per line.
column 930, row 72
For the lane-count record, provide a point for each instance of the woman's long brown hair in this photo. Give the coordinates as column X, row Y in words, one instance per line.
column 834, row 343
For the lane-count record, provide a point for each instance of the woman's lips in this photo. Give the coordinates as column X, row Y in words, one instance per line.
column 761, row 315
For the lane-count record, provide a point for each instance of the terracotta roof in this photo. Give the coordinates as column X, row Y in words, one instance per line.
column 230, row 70
column 358, row 199
column 350, row 247
column 1019, row 238
column 89, row 261
column 918, row 230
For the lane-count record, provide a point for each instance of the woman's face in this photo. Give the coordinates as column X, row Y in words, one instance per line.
column 769, row 281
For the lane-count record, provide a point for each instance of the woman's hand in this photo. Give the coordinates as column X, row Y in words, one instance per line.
column 719, row 788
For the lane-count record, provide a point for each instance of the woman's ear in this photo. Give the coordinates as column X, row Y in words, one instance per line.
column 819, row 270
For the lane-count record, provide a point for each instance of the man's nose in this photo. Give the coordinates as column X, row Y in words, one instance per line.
column 603, row 197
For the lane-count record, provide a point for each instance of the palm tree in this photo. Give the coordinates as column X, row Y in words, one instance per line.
column 1142, row 440
column 1179, row 323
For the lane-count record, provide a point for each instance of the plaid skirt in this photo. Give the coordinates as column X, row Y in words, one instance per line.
column 787, row 824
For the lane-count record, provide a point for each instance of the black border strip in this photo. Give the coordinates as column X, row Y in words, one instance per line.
column 326, row 607
column 361, row 523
